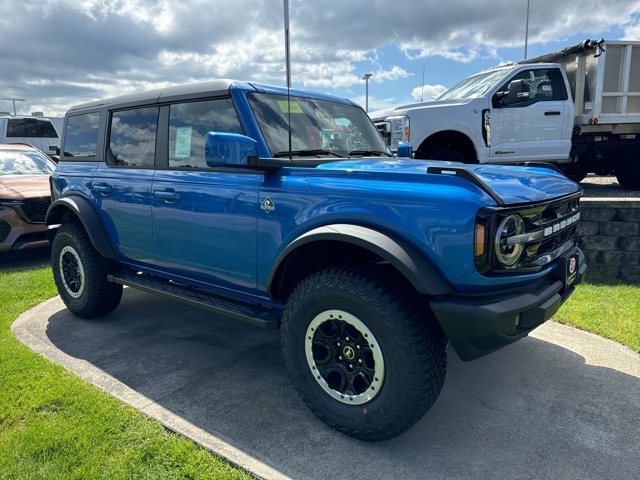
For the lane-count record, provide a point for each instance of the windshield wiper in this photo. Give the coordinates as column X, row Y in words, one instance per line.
column 308, row 152
column 370, row 153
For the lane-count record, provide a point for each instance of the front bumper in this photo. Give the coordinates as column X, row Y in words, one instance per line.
column 477, row 326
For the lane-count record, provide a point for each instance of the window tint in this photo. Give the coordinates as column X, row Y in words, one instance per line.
column 81, row 135
column 189, row 124
column 132, row 138
column 31, row 127
column 539, row 85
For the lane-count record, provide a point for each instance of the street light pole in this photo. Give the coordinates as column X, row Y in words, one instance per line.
column 366, row 79
column 14, row 100
column 526, row 32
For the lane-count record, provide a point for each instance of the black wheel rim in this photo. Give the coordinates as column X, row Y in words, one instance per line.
column 71, row 272
column 344, row 357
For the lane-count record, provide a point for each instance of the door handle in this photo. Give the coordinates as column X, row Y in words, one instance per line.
column 167, row 195
column 552, row 113
column 102, row 188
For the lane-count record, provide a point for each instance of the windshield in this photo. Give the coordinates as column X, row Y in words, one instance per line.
column 14, row 162
column 318, row 127
column 473, row 87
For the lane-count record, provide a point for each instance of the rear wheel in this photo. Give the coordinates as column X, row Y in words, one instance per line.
column 80, row 274
column 573, row 172
column 628, row 174
column 363, row 351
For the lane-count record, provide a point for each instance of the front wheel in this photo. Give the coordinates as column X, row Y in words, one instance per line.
column 80, row 274
column 363, row 351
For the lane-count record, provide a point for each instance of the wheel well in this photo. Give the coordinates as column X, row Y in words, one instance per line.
column 78, row 209
column 450, row 140
column 314, row 256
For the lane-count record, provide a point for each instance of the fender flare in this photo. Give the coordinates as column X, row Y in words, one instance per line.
column 89, row 218
column 415, row 267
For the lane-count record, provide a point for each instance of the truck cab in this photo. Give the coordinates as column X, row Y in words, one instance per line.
column 510, row 114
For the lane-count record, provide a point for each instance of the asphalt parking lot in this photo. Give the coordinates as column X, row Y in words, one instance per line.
column 559, row 404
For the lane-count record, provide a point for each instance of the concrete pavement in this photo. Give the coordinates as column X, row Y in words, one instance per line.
column 560, row 404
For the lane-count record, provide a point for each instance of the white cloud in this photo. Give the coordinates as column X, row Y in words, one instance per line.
column 428, row 92
column 79, row 50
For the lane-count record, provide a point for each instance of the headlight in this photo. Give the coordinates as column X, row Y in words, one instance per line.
column 508, row 246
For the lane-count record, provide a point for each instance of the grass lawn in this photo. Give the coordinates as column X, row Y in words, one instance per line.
column 54, row 425
column 610, row 310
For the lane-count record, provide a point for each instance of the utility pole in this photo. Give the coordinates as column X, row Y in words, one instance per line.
column 14, row 100
column 366, row 79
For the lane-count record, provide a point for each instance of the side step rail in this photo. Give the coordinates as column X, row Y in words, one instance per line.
column 255, row 315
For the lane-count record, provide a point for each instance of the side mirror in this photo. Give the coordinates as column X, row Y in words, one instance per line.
column 233, row 149
column 518, row 92
column 404, row 150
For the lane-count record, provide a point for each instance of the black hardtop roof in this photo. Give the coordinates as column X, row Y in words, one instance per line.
column 177, row 92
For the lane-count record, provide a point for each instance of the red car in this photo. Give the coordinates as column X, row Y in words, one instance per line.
column 24, row 197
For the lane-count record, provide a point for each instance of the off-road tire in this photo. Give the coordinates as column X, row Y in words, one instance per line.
column 80, row 274
column 401, row 330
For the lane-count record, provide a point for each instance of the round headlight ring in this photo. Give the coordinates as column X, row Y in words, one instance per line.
column 509, row 254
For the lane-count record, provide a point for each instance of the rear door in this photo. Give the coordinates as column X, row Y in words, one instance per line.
column 122, row 183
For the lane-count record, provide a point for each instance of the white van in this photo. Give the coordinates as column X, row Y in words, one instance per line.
column 38, row 132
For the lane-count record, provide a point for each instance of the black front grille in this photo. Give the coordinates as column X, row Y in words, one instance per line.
column 5, row 228
column 553, row 226
column 35, row 209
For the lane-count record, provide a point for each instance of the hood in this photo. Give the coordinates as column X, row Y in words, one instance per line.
column 508, row 184
column 405, row 109
column 19, row 187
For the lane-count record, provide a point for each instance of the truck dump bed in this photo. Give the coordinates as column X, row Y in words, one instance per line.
column 604, row 79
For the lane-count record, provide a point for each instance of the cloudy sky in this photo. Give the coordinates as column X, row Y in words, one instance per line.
column 58, row 53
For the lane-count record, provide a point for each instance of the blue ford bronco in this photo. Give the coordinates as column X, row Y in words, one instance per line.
column 286, row 209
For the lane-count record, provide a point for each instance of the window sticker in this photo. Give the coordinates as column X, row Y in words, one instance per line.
column 183, row 142
column 290, row 107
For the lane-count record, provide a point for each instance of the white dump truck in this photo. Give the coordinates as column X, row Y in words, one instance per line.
column 578, row 108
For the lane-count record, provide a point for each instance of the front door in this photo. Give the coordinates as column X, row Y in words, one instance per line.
column 532, row 119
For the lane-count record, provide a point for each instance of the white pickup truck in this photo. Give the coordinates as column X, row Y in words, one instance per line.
column 525, row 112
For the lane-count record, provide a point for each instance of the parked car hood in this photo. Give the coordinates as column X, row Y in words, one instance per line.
column 513, row 185
column 19, row 187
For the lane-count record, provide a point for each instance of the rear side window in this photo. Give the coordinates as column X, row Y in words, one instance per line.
column 132, row 137
column 81, row 135
column 31, row 127
column 189, row 124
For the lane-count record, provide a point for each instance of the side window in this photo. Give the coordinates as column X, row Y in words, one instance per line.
column 81, row 135
column 132, row 137
column 189, row 124
column 529, row 87
column 31, row 127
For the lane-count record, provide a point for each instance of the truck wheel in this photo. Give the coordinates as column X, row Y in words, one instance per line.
column 573, row 172
column 628, row 174
column 80, row 274
column 363, row 350
column 448, row 155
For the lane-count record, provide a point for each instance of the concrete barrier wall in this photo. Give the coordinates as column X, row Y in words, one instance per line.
column 610, row 237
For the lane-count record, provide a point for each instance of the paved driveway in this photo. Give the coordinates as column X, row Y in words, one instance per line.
column 559, row 404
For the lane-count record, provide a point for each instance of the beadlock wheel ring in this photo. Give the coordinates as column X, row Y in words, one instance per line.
column 344, row 357
column 71, row 272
